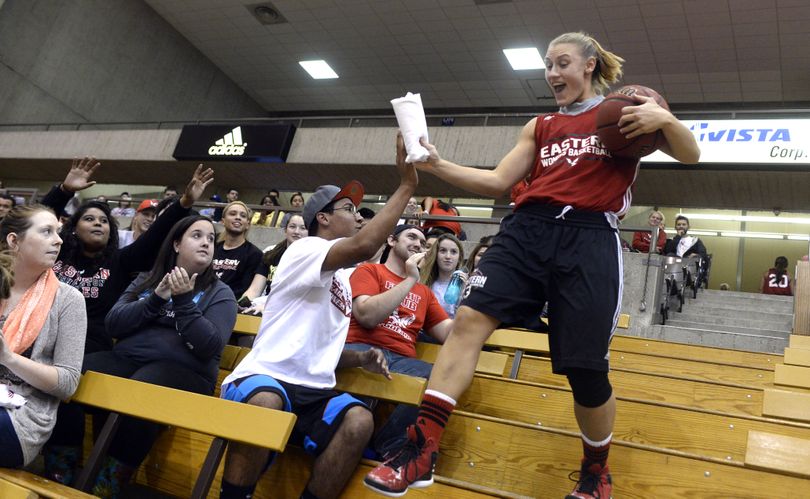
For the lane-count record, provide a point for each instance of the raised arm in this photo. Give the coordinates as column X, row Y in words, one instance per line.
column 492, row 183
column 363, row 245
column 649, row 117
column 77, row 179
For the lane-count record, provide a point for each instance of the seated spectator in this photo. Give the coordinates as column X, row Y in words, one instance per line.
column 390, row 306
column 438, row 207
column 230, row 197
column 444, row 257
column 265, row 217
column 144, row 217
column 171, row 324
column 236, row 260
column 7, row 202
column 777, row 281
column 90, row 259
column 683, row 245
column 297, row 201
column 294, row 229
column 300, row 342
column 274, row 195
column 124, row 208
column 169, row 192
column 43, row 330
column 366, row 214
column 432, row 234
column 477, row 252
column 412, row 213
column 641, row 240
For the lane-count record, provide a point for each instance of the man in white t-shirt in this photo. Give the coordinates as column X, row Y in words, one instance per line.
column 300, row 342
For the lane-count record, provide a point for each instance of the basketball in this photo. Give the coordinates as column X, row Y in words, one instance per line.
column 607, row 127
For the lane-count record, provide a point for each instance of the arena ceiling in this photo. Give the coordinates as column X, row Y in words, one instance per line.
column 700, row 54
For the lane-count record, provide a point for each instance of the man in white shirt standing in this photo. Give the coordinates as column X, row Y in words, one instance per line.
column 300, row 342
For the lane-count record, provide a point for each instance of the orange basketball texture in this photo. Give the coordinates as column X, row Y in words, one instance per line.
column 607, row 119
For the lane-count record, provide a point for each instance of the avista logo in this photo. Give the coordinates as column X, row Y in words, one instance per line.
column 229, row 145
column 706, row 133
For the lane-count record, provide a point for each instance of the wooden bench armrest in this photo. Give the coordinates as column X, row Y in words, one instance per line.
column 800, row 341
column 10, row 490
column 787, row 375
column 779, row 453
column 402, row 389
column 228, row 359
column 201, row 413
column 797, row 356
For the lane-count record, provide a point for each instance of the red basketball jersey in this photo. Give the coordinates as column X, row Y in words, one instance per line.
column 777, row 285
column 572, row 167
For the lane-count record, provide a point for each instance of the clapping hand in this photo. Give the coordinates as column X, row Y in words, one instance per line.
column 374, row 361
column 179, row 281
column 78, row 178
column 196, row 186
column 164, row 289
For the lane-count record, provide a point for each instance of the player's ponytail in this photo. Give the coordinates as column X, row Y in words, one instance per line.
column 608, row 65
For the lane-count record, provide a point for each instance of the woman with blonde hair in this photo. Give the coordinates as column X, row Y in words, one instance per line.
column 560, row 245
column 444, row 257
column 641, row 240
column 44, row 324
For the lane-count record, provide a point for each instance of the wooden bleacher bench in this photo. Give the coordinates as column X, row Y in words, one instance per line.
column 637, row 344
column 799, row 341
column 10, row 490
column 223, row 420
column 40, row 486
column 797, row 356
column 786, row 404
column 778, row 453
column 489, row 363
column 787, row 375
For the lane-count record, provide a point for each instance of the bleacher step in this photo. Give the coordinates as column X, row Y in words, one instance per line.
column 727, row 328
column 697, row 307
column 708, row 337
column 688, row 315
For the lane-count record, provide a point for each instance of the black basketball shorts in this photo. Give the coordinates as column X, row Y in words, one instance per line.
column 570, row 259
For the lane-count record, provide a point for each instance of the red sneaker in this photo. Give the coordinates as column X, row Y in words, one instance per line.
column 412, row 467
column 594, row 483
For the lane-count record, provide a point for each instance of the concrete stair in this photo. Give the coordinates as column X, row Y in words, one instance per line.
column 728, row 319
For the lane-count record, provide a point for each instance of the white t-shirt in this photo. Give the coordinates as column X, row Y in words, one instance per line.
column 305, row 320
column 125, row 238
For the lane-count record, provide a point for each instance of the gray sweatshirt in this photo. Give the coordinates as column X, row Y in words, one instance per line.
column 61, row 344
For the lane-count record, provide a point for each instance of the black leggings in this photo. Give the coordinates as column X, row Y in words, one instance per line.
column 11, row 455
column 134, row 437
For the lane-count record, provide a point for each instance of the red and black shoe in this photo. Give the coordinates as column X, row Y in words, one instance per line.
column 594, row 483
column 411, row 467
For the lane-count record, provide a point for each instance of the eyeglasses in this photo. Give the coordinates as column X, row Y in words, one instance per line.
column 348, row 207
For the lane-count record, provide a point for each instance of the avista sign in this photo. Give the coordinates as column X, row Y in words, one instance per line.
column 764, row 141
column 229, row 145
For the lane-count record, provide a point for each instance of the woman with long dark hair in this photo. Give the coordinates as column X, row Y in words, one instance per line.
column 42, row 340
column 90, row 259
column 171, row 325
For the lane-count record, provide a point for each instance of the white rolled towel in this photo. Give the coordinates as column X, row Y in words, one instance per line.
column 412, row 124
column 9, row 399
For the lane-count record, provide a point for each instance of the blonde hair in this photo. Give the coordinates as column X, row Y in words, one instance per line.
column 6, row 274
column 608, row 68
column 656, row 212
column 221, row 236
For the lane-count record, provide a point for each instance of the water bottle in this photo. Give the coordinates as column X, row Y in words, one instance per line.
column 452, row 295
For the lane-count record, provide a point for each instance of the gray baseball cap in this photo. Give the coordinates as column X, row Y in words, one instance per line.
column 325, row 194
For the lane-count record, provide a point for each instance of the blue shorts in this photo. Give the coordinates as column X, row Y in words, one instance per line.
column 320, row 412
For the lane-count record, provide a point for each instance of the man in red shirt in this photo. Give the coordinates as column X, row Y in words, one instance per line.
column 390, row 306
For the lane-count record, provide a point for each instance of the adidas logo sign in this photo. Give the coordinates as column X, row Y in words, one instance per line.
column 229, row 145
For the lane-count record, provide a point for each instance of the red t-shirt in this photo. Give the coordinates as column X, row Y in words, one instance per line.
column 572, row 167
column 777, row 286
column 398, row 333
column 437, row 210
column 641, row 241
